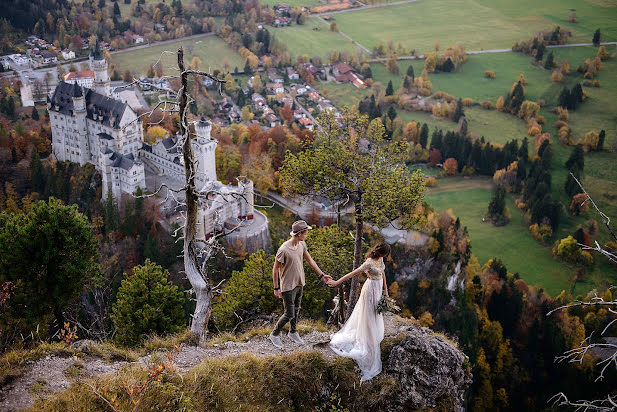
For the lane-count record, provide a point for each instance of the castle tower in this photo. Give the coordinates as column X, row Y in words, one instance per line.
column 204, row 147
column 82, row 155
column 99, row 65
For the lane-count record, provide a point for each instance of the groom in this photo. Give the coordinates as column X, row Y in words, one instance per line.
column 289, row 269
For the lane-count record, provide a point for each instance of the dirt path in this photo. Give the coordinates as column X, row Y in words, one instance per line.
column 54, row 373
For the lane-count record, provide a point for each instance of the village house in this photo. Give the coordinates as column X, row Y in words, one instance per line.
column 344, row 73
column 292, row 74
column 306, row 122
column 68, row 54
column 48, row 57
column 299, row 113
column 272, row 120
column 316, row 72
column 84, row 78
column 281, row 8
column 281, row 21
column 314, row 96
column 300, row 89
column 273, row 76
column 275, row 88
column 258, row 100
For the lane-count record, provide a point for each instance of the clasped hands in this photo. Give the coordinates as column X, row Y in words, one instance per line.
column 333, row 283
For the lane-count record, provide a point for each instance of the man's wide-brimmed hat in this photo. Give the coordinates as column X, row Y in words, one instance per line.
column 299, row 226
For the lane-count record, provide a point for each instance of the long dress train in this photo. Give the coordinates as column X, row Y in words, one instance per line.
column 361, row 335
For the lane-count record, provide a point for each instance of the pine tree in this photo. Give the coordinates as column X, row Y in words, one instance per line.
column 571, row 187
column 112, row 215
column 517, row 97
column 392, row 113
column 576, row 161
column 116, row 9
column 597, row 38
column 406, row 82
column 436, row 140
column 601, row 138
column 147, row 302
column 447, row 66
column 540, row 52
column 51, row 251
column 35, row 114
column 576, row 95
column 247, row 68
column 550, row 61
column 498, row 203
column 36, row 171
column 410, row 73
column 459, row 111
column 564, row 98
column 424, row 135
column 389, row 89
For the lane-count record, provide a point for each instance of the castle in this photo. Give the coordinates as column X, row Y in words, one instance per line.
column 90, row 126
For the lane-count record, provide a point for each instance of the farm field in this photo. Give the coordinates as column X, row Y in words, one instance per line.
column 313, row 38
column 341, row 94
column 476, row 25
column 294, row 3
column 469, row 198
column 211, row 50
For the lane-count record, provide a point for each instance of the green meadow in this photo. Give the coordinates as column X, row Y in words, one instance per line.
column 469, row 198
column 212, row 51
column 313, row 38
column 476, row 24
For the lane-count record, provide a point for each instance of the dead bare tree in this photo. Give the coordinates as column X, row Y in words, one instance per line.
column 605, row 351
column 196, row 252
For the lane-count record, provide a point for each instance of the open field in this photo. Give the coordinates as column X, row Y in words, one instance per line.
column 420, row 24
column 294, row 3
column 469, row 198
column 341, row 94
column 494, row 126
column 477, row 24
column 211, row 50
column 313, row 38
column 599, row 111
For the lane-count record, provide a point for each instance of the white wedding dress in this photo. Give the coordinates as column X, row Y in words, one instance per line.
column 361, row 335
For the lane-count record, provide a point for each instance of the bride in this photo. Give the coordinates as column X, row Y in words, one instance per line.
column 361, row 335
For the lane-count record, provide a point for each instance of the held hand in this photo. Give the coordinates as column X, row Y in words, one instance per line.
column 333, row 283
column 326, row 278
column 278, row 294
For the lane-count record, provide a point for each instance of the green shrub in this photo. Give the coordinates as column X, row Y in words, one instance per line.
column 147, row 302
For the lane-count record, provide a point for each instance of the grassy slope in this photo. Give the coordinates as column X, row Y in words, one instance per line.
column 477, row 24
column 303, row 39
column 469, row 198
column 211, row 50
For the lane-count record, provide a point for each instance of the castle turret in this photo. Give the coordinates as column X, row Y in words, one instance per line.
column 99, row 65
column 204, row 146
column 82, row 155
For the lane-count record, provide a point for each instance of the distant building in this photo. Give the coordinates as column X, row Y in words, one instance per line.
column 84, row 78
column 68, row 54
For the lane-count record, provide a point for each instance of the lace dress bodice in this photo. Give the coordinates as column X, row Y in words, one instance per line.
column 373, row 268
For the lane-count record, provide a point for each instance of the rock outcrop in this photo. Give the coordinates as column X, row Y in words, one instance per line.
column 431, row 371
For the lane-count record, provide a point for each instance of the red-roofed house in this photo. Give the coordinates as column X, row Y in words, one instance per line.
column 83, row 79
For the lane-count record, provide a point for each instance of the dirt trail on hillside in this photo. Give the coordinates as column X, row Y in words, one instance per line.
column 54, row 373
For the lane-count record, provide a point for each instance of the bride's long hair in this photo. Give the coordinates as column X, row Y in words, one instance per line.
column 379, row 250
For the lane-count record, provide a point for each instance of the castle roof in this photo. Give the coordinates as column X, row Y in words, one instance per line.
column 203, row 122
column 100, row 108
column 126, row 162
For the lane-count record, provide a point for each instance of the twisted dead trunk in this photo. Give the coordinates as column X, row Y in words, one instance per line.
column 199, row 282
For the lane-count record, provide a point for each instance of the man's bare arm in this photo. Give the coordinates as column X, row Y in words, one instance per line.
column 314, row 266
column 276, row 270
